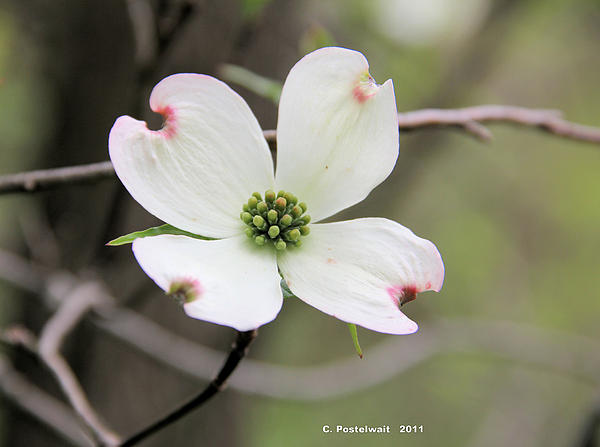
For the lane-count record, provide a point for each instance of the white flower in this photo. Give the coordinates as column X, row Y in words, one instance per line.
column 337, row 139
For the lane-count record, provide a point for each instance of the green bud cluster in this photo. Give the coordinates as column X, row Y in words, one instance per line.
column 278, row 219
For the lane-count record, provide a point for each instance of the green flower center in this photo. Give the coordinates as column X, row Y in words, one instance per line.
column 278, row 219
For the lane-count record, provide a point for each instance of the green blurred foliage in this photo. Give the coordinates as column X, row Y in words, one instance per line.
column 516, row 222
column 315, row 37
column 251, row 9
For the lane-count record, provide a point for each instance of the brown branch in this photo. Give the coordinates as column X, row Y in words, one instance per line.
column 470, row 119
column 563, row 353
column 42, row 406
column 537, row 348
column 74, row 307
column 40, row 180
column 238, row 352
column 82, row 299
column 155, row 32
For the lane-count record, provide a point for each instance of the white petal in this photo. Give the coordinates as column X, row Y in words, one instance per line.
column 361, row 270
column 233, row 282
column 337, row 135
column 203, row 165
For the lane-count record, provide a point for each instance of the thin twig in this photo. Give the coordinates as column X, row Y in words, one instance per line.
column 238, row 352
column 561, row 352
column 155, row 32
column 43, row 179
column 42, row 406
column 82, row 299
column 470, row 119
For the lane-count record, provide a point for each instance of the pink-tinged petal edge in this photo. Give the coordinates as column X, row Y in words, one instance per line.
column 365, row 88
column 363, row 271
column 169, row 127
column 227, row 281
column 338, row 128
column 194, row 172
column 186, row 288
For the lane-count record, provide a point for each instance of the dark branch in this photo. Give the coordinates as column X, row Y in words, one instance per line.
column 590, row 436
column 238, row 351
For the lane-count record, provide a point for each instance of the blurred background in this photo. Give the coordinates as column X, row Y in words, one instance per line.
column 507, row 354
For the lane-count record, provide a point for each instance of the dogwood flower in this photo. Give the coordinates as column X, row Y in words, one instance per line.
column 337, row 139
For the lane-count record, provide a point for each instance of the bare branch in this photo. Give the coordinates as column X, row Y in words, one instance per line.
column 555, row 351
column 43, row 179
column 21, row 273
column 471, row 118
column 83, row 298
column 309, row 383
column 590, row 432
column 560, row 352
column 563, row 353
column 142, row 18
column 238, row 352
column 45, row 408
column 155, row 31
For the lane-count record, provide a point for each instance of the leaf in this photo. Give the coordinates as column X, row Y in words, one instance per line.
column 287, row 293
column 354, row 334
column 262, row 86
column 154, row 231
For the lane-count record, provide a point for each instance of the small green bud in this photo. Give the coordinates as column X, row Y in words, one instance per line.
column 259, row 222
column 262, row 207
column 296, row 211
column 280, row 204
column 298, row 243
column 270, row 195
column 294, row 234
column 273, row 231
column 272, row 216
column 278, row 219
column 291, row 198
column 286, row 220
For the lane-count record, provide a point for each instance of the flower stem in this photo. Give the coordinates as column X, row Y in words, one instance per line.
column 238, row 351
